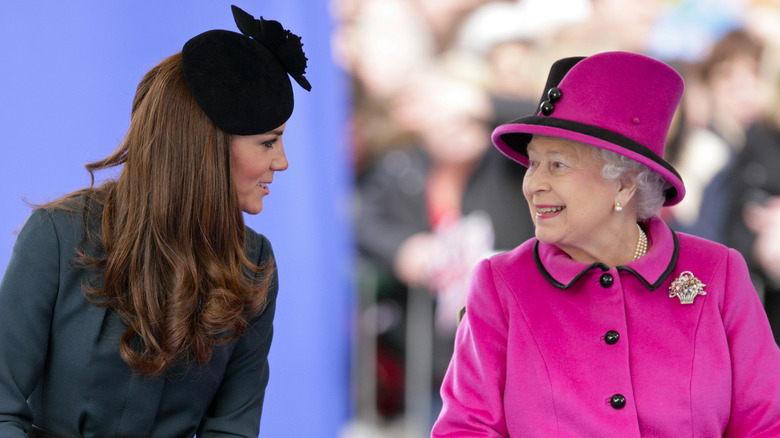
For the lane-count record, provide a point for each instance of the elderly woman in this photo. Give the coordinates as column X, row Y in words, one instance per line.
column 608, row 323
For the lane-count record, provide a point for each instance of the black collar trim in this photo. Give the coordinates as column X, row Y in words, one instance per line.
column 669, row 269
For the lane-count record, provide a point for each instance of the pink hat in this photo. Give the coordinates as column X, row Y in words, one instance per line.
column 623, row 102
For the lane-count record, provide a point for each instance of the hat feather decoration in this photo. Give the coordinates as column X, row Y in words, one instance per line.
column 284, row 44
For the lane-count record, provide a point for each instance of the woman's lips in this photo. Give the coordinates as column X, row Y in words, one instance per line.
column 548, row 211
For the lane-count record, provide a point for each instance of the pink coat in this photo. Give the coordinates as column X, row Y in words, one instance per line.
column 554, row 348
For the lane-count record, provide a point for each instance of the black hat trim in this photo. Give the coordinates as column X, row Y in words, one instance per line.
column 519, row 140
column 558, row 70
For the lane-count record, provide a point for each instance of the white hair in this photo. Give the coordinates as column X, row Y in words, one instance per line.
column 650, row 186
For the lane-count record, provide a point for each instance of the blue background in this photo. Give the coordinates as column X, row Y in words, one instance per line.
column 69, row 73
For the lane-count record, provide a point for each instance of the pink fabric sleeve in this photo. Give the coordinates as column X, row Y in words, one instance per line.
column 755, row 357
column 472, row 390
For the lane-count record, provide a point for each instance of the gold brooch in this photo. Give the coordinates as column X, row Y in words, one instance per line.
column 686, row 287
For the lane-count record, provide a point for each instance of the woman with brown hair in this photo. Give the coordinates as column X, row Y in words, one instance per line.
column 144, row 306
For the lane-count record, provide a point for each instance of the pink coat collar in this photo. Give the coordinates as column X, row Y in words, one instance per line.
column 652, row 269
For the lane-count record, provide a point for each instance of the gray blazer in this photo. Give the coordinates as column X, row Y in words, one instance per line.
column 60, row 367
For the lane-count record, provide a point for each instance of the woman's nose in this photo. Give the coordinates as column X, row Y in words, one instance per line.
column 279, row 162
column 535, row 180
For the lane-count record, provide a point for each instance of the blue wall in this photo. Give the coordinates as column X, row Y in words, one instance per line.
column 69, row 72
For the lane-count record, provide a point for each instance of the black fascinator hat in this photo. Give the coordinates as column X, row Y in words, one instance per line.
column 240, row 80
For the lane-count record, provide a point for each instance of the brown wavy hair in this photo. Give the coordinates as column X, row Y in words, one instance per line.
column 172, row 234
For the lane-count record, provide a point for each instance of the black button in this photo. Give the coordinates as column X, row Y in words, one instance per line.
column 554, row 94
column 606, row 280
column 617, row 401
column 611, row 337
column 546, row 108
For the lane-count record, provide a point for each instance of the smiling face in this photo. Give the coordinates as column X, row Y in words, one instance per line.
column 571, row 203
column 255, row 158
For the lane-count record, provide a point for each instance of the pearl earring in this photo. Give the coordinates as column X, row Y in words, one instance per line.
column 618, row 206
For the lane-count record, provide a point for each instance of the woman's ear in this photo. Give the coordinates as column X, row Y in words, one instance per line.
column 626, row 189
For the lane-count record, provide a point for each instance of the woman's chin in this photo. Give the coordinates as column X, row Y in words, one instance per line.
column 252, row 209
column 546, row 232
column 544, row 237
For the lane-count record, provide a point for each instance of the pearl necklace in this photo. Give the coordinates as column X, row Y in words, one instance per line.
column 641, row 244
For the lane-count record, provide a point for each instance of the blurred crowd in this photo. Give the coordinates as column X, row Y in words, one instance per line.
column 432, row 78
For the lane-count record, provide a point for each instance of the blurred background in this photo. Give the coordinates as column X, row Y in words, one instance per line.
column 393, row 191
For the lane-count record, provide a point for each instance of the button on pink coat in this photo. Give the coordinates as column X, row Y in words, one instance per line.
column 531, row 358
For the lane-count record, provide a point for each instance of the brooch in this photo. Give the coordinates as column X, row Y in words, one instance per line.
column 686, row 287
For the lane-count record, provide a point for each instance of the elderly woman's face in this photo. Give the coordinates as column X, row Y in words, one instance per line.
column 570, row 201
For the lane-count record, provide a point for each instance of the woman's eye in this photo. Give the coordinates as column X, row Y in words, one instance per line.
column 269, row 143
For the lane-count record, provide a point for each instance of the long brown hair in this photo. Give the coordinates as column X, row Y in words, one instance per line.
column 173, row 238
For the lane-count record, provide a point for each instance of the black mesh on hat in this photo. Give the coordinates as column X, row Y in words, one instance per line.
column 241, row 80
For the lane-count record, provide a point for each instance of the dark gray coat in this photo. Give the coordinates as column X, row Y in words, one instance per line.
column 60, row 367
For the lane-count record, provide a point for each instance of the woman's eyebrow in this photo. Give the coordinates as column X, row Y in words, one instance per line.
column 554, row 152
